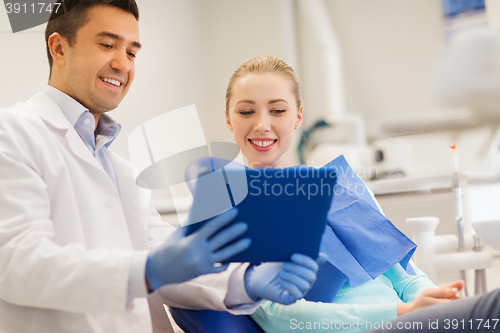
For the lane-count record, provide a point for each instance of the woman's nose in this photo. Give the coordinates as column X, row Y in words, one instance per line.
column 263, row 124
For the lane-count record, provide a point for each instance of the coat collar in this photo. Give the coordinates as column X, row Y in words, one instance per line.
column 52, row 115
column 48, row 110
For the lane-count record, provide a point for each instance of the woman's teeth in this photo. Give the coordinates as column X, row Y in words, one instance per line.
column 262, row 143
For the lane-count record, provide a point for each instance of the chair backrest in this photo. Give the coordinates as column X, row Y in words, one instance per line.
column 210, row 321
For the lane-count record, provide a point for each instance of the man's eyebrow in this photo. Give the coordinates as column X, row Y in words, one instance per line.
column 117, row 37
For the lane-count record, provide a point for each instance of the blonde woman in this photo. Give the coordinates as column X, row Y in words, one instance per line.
column 263, row 110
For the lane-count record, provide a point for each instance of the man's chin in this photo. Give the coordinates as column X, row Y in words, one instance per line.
column 107, row 106
column 102, row 110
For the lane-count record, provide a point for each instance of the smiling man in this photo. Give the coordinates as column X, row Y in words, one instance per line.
column 80, row 245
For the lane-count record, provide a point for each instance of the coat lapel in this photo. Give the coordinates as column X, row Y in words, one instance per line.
column 125, row 181
column 136, row 214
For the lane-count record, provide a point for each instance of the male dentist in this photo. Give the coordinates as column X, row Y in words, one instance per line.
column 80, row 245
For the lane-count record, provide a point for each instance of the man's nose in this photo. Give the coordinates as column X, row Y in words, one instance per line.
column 121, row 62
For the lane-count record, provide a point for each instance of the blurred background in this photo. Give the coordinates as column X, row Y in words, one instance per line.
column 376, row 87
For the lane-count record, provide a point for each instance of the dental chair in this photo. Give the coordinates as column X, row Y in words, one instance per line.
column 210, row 321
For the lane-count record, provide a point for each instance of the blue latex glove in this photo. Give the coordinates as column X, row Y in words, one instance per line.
column 183, row 258
column 283, row 282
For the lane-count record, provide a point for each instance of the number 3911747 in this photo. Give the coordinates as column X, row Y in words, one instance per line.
column 38, row 8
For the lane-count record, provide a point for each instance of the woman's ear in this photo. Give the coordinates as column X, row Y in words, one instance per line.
column 299, row 118
column 228, row 122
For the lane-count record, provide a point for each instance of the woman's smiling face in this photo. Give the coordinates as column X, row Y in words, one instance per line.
column 262, row 116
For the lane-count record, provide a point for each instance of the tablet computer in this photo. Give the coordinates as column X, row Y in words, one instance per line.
column 285, row 209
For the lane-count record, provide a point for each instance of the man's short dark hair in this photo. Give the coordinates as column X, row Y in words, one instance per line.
column 73, row 14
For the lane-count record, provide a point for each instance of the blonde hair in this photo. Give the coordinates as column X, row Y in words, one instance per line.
column 264, row 65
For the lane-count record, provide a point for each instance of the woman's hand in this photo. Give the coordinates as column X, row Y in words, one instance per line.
column 432, row 296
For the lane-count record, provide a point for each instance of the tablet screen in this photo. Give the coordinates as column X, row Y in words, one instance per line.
column 285, row 209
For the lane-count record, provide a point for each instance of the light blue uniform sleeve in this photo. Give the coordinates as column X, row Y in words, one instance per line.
column 329, row 317
column 408, row 286
column 322, row 317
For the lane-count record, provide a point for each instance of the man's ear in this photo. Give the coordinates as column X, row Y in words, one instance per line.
column 228, row 121
column 57, row 45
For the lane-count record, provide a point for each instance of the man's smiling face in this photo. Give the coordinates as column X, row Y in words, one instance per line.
column 99, row 68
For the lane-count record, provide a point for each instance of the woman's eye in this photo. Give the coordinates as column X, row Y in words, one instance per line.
column 246, row 113
column 278, row 111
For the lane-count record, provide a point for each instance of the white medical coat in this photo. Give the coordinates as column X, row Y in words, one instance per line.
column 67, row 236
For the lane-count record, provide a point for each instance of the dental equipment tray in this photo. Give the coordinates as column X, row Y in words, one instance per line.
column 285, row 209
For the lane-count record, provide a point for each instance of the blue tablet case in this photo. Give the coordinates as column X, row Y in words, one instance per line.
column 285, row 210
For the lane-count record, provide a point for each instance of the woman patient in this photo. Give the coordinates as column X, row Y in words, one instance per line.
column 263, row 110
